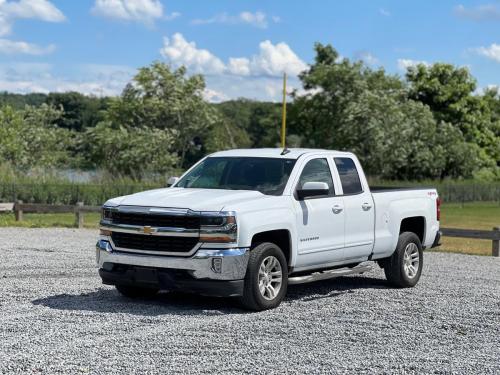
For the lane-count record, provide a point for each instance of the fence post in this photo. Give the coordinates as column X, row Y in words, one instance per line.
column 18, row 212
column 79, row 215
column 495, row 247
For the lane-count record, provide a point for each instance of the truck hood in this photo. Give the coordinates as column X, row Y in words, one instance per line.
column 194, row 199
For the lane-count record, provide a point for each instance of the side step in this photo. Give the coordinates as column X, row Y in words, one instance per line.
column 329, row 274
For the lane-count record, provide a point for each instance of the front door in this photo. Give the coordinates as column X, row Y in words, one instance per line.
column 320, row 220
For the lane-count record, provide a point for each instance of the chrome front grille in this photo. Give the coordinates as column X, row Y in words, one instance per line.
column 151, row 243
column 152, row 230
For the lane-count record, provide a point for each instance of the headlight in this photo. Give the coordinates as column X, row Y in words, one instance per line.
column 218, row 227
column 106, row 214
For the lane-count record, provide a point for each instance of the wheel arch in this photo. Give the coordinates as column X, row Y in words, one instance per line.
column 280, row 237
column 414, row 224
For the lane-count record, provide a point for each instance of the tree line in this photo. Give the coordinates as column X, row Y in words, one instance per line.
column 433, row 123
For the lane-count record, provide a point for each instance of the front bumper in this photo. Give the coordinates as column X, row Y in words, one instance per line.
column 204, row 268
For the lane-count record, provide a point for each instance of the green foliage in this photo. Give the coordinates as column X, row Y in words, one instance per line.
column 78, row 111
column 30, row 138
column 431, row 125
column 398, row 132
column 168, row 100
column 224, row 135
column 130, row 151
column 449, row 93
column 260, row 120
column 19, row 101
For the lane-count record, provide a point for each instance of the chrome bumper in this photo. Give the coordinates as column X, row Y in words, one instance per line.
column 214, row 264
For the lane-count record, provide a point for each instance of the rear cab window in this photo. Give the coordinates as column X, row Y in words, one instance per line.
column 349, row 177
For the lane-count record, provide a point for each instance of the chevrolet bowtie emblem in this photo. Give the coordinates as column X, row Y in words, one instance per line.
column 148, row 230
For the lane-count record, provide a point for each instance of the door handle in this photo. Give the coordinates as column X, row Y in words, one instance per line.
column 337, row 209
column 366, row 206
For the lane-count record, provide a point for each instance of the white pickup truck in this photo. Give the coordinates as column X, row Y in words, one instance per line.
column 247, row 223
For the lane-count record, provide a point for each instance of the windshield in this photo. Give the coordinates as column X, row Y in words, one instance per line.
column 267, row 175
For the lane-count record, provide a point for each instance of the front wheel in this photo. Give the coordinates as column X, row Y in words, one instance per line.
column 404, row 267
column 266, row 279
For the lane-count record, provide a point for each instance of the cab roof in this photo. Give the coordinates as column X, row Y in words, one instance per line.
column 293, row 153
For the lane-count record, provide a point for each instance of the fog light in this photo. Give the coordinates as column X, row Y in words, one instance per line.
column 217, row 265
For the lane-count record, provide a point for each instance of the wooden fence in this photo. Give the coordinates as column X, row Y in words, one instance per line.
column 79, row 210
column 493, row 235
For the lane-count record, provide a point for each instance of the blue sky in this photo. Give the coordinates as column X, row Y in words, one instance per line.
column 243, row 47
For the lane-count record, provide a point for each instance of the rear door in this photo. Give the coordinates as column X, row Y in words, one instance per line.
column 320, row 220
column 359, row 209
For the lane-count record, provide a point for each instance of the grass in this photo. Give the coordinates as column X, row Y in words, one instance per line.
column 480, row 215
column 66, row 220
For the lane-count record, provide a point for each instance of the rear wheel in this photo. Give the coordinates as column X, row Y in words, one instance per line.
column 266, row 279
column 136, row 292
column 404, row 267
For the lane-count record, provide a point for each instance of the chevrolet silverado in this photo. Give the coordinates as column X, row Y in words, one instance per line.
column 248, row 223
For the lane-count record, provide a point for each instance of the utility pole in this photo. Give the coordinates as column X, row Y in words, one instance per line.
column 283, row 118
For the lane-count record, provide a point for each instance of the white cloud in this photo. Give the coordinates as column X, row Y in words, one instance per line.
column 272, row 59
column 178, row 51
column 145, row 11
column 5, row 25
column 257, row 19
column 172, row 16
column 384, row 12
column 36, row 9
column 492, row 52
column 28, row 9
column 10, row 47
column 109, row 80
column 214, row 96
column 479, row 13
column 256, row 88
column 99, row 80
column 367, row 57
column 404, row 64
column 239, row 66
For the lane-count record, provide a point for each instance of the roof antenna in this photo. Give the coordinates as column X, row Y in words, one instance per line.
column 283, row 120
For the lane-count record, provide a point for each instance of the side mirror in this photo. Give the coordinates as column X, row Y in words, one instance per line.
column 172, row 180
column 312, row 189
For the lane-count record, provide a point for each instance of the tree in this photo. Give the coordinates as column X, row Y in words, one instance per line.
column 168, row 100
column 450, row 94
column 260, row 120
column 348, row 106
column 29, row 137
column 19, row 101
column 134, row 152
column 79, row 111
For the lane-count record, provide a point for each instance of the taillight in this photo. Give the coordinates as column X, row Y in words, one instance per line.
column 438, row 209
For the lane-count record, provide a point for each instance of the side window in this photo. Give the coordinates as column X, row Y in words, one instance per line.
column 317, row 170
column 349, row 177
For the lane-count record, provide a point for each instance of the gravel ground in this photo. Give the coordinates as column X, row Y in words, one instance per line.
column 56, row 317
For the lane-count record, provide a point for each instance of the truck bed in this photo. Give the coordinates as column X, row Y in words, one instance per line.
column 384, row 189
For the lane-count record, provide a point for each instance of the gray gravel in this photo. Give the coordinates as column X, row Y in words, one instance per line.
column 56, row 317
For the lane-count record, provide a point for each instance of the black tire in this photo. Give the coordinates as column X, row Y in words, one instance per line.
column 394, row 267
column 252, row 298
column 136, row 292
